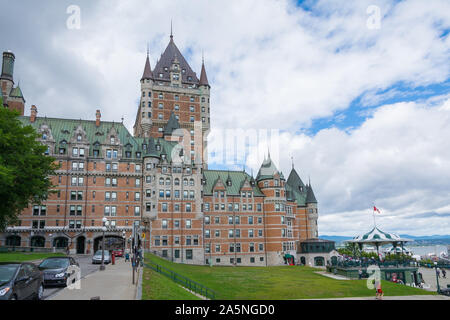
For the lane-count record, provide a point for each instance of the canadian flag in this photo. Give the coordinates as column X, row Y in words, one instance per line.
column 376, row 209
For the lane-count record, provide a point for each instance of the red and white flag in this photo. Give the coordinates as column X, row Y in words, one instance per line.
column 376, row 209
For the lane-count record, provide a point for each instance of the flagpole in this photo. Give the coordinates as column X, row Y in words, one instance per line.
column 373, row 213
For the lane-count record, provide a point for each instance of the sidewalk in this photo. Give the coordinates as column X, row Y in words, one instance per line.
column 427, row 297
column 115, row 283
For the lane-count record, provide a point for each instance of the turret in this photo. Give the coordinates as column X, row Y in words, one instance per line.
column 311, row 212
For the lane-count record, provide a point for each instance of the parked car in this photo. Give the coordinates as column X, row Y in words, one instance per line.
column 55, row 270
column 97, row 258
column 20, row 281
column 118, row 252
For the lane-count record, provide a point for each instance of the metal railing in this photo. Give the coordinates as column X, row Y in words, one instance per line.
column 182, row 280
column 386, row 264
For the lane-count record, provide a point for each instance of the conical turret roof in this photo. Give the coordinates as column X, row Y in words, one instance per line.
column 267, row 170
column 310, row 197
column 203, row 77
column 171, row 125
column 147, row 70
column 294, row 180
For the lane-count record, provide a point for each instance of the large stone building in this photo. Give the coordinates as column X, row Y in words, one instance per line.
column 158, row 178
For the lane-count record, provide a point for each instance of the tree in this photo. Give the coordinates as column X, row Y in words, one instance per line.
column 24, row 169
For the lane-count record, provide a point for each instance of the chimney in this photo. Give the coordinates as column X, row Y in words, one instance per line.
column 33, row 113
column 98, row 115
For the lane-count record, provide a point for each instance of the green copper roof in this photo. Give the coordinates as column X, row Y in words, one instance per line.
column 63, row 130
column 237, row 180
column 310, row 197
column 267, row 170
column 16, row 92
column 171, row 125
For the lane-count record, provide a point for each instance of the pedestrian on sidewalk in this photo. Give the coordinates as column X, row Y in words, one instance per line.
column 379, row 292
column 444, row 274
column 360, row 273
column 127, row 257
column 438, row 272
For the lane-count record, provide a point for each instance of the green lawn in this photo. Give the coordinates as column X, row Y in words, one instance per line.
column 21, row 256
column 158, row 287
column 279, row 283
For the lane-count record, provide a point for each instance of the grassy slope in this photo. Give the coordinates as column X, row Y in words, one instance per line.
column 19, row 256
column 158, row 287
column 282, row 282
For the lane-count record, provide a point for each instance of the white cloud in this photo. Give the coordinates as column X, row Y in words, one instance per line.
column 398, row 159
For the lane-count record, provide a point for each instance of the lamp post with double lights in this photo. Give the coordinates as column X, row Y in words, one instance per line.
column 437, row 279
column 104, row 228
column 124, row 242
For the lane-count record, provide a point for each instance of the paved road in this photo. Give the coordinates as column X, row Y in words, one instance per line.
column 429, row 275
column 86, row 267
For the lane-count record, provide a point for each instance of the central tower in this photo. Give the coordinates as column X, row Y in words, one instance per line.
column 172, row 91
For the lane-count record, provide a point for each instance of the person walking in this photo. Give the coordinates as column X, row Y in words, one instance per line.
column 444, row 274
column 379, row 292
column 438, row 272
column 360, row 273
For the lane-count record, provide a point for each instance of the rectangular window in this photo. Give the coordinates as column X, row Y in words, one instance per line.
column 189, row 254
column 188, row 224
column 207, row 220
column 207, row 234
column 250, row 220
column 137, row 211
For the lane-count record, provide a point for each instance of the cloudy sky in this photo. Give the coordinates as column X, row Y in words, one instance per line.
column 357, row 91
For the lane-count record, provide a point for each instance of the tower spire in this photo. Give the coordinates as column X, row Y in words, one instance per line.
column 171, row 30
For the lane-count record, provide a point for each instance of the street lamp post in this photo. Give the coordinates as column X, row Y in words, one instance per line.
column 105, row 224
column 437, row 279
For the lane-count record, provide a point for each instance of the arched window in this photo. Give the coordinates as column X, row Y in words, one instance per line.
column 185, row 181
column 37, row 241
column 191, row 182
column 13, row 241
column 177, row 181
column 60, row 242
column 161, row 181
column 168, row 182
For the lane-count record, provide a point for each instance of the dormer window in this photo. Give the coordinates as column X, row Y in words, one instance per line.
column 176, row 77
column 165, row 69
column 44, row 136
column 79, row 137
column 184, row 70
column 189, row 78
column 138, row 154
column 229, row 183
column 160, row 75
column 113, row 140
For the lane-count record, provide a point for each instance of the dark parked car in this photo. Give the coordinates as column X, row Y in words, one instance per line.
column 55, row 270
column 20, row 281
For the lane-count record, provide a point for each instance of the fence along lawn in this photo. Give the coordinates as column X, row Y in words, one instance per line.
column 278, row 283
column 158, row 287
